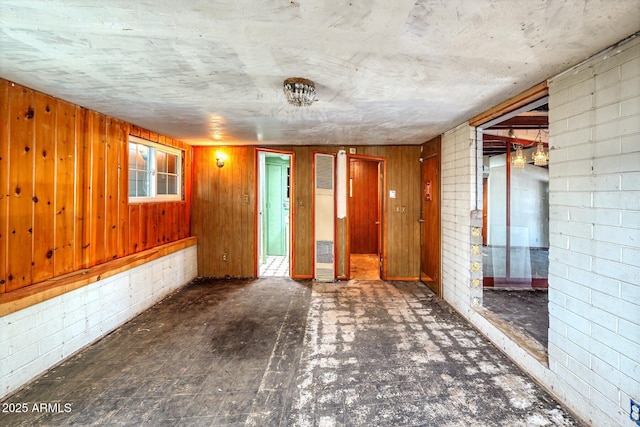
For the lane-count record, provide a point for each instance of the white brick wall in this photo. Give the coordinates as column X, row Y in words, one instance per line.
column 594, row 278
column 36, row 338
column 594, row 221
column 458, row 200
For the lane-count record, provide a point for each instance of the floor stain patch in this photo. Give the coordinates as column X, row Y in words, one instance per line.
column 412, row 362
column 277, row 352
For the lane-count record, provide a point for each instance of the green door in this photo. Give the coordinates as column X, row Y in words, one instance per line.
column 276, row 175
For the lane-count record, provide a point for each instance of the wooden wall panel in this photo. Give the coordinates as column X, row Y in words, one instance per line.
column 135, row 231
column 303, row 181
column 4, row 171
column 65, row 163
column 64, row 202
column 20, row 204
column 222, row 215
column 44, row 148
column 222, row 226
column 83, row 185
column 165, row 211
column 123, row 190
column 97, row 241
column 111, row 189
column 202, row 201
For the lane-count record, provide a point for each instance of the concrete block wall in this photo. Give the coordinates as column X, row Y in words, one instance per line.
column 594, row 220
column 458, row 200
column 36, row 338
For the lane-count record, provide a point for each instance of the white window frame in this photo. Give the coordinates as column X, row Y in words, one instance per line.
column 154, row 196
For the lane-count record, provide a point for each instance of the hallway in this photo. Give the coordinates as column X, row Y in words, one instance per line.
column 276, row 352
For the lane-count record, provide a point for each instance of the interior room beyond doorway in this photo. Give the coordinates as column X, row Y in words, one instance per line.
column 274, row 214
column 365, row 218
column 515, row 231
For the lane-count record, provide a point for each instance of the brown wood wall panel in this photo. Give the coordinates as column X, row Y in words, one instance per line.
column 97, row 241
column 65, row 161
column 111, row 189
column 224, row 224
column 44, row 187
column 64, row 190
column 82, row 177
column 4, row 190
column 222, row 216
column 123, row 190
column 303, row 181
column 134, row 229
column 20, row 243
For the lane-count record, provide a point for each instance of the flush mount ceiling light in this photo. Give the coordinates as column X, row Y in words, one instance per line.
column 299, row 92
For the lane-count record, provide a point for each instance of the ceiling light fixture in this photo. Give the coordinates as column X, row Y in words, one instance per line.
column 519, row 159
column 299, row 92
column 540, row 157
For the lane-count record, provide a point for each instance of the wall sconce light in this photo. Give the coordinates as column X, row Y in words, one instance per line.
column 220, row 158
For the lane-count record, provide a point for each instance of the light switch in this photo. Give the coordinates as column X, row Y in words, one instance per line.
column 392, row 194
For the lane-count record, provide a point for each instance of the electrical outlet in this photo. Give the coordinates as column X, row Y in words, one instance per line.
column 224, row 257
column 634, row 412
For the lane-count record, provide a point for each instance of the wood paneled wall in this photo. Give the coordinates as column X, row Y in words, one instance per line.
column 64, row 190
column 224, row 221
column 223, row 211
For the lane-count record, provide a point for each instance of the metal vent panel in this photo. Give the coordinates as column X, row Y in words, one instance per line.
column 324, row 252
column 324, row 275
column 324, row 172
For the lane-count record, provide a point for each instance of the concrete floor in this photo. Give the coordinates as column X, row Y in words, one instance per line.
column 526, row 310
column 276, row 352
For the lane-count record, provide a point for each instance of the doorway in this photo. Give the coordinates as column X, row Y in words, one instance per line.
column 515, row 204
column 274, row 213
column 365, row 190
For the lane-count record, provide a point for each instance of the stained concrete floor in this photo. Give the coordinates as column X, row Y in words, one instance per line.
column 526, row 310
column 276, row 352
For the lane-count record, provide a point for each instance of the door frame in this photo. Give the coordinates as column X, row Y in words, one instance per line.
column 292, row 209
column 382, row 228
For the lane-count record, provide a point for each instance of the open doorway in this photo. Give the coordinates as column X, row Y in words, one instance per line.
column 365, row 190
column 515, row 205
column 274, row 213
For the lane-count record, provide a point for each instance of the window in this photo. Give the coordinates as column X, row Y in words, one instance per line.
column 155, row 171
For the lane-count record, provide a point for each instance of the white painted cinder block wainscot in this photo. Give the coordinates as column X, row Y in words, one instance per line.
column 34, row 339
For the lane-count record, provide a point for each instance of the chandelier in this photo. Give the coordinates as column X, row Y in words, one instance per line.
column 519, row 159
column 299, row 92
column 540, row 157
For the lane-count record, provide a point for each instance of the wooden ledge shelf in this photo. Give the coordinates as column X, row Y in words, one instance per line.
column 19, row 299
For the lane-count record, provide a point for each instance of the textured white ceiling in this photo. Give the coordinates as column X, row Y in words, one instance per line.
column 386, row 71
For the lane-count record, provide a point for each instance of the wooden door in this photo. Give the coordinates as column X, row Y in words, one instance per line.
column 364, row 215
column 430, row 233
